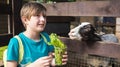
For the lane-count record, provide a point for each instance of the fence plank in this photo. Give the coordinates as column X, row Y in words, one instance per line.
column 84, row 8
column 105, row 49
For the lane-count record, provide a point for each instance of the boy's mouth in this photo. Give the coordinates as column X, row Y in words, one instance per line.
column 41, row 25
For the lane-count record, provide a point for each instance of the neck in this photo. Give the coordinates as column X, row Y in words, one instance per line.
column 32, row 35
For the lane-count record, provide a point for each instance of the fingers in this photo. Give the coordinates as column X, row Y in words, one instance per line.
column 65, row 52
column 65, row 58
column 64, row 61
column 46, row 61
column 53, row 54
column 47, row 64
column 46, row 57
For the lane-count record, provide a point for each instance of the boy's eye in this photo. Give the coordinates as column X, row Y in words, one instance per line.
column 38, row 15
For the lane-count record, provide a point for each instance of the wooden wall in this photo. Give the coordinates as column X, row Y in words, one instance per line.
column 66, row 9
column 11, row 8
column 84, row 8
column 108, row 8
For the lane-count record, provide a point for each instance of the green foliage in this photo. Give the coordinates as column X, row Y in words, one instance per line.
column 1, row 51
column 55, row 41
column 60, row 48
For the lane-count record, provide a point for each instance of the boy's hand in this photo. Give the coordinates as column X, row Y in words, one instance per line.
column 42, row 62
column 64, row 59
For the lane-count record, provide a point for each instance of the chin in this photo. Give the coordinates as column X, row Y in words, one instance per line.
column 40, row 30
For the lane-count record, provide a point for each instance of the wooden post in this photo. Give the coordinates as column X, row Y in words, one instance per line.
column 16, row 16
column 118, row 27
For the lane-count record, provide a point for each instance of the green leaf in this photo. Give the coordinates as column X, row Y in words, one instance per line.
column 55, row 41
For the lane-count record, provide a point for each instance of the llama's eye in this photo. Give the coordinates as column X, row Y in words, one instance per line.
column 85, row 27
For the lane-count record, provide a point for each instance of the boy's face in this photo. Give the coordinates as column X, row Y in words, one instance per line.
column 36, row 23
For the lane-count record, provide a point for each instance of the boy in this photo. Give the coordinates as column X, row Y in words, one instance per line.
column 36, row 51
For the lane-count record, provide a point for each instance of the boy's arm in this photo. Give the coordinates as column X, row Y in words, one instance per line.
column 11, row 64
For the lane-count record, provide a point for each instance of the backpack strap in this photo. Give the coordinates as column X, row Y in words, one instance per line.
column 5, row 58
column 45, row 39
column 21, row 49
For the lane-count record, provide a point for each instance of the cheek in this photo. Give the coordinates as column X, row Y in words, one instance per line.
column 33, row 21
column 32, row 24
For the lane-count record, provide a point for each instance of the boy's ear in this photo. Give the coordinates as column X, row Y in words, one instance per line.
column 24, row 19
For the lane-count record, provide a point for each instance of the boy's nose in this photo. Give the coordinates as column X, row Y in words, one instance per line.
column 42, row 18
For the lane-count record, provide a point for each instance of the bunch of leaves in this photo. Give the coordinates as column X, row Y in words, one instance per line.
column 55, row 41
column 60, row 48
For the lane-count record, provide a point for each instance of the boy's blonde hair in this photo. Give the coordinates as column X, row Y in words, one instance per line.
column 32, row 9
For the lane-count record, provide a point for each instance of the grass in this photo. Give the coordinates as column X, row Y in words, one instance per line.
column 1, row 51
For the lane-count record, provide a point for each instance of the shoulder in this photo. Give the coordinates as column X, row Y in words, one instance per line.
column 46, row 35
column 13, row 40
column 13, row 44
